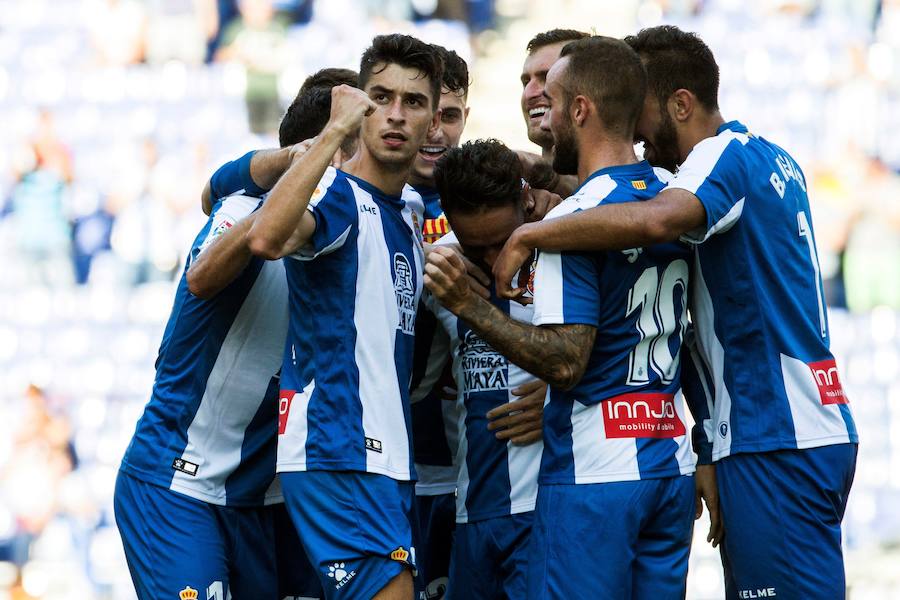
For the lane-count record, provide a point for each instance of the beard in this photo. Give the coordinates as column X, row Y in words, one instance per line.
column 565, row 151
column 664, row 149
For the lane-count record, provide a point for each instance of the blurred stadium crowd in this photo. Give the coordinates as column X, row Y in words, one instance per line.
column 116, row 111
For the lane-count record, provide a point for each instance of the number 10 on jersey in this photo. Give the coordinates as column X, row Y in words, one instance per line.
column 653, row 297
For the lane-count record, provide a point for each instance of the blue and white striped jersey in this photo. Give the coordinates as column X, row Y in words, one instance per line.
column 496, row 477
column 435, row 415
column 757, row 301
column 625, row 419
column 348, row 360
column 208, row 430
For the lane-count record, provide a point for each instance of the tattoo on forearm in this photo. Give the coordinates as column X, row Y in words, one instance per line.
column 557, row 354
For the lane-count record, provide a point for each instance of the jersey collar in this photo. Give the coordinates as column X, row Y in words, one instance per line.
column 376, row 193
column 634, row 170
column 735, row 126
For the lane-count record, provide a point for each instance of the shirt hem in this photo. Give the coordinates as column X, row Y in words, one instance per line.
column 172, row 486
column 516, row 509
column 289, row 467
column 803, row 444
column 622, row 476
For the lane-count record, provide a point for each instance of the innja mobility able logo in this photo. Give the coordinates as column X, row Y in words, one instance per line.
column 826, row 375
column 641, row 416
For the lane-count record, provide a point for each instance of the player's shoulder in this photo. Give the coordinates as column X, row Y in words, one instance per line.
column 235, row 206
column 590, row 194
column 664, row 176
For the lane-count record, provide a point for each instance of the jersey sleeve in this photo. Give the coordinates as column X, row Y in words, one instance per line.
column 334, row 207
column 566, row 289
column 234, row 178
column 225, row 214
column 715, row 173
column 696, row 387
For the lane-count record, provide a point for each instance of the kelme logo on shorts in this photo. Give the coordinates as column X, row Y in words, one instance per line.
column 338, row 571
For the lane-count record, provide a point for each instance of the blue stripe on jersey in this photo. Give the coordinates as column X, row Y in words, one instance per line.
column 559, row 455
column 336, row 341
column 403, row 270
column 257, row 452
column 581, row 303
column 430, row 443
column 193, row 337
column 486, row 456
column 234, row 177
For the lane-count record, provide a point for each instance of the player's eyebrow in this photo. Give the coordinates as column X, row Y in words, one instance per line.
column 380, row 89
column 417, row 96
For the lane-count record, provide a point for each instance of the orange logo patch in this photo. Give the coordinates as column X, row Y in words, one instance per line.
column 400, row 555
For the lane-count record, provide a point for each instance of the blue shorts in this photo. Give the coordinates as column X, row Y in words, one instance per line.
column 296, row 577
column 354, row 526
column 490, row 558
column 174, row 542
column 436, row 517
column 782, row 513
column 620, row 540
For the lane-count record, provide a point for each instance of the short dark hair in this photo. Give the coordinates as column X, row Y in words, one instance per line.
column 456, row 71
column 407, row 52
column 478, row 175
column 554, row 36
column 677, row 59
column 609, row 73
column 309, row 112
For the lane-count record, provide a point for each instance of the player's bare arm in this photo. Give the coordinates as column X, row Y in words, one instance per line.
column 669, row 215
column 222, row 262
column 558, row 354
column 284, row 225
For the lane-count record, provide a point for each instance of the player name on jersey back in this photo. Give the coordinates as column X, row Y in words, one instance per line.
column 758, row 301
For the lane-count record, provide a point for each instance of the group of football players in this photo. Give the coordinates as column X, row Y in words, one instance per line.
column 468, row 365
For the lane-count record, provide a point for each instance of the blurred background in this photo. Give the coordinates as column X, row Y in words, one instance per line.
column 115, row 112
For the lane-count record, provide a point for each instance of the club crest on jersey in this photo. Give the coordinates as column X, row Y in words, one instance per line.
column 642, row 416
column 483, row 367
column 405, row 293
column 188, row 593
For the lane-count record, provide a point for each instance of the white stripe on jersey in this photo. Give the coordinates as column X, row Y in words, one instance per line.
column 815, row 424
column 712, row 352
column 292, row 443
column 596, row 462
column 249, row 357
column 381, row 425
column 704, row 157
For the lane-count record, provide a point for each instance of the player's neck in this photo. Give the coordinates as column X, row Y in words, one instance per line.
column 601, row 154
column 386, row 178
column 704, row 125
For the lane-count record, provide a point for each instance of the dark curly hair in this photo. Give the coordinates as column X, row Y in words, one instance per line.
column 478, row 175
column 456, row 71
column 677, row 59
column 407, row 52
column 309, row 112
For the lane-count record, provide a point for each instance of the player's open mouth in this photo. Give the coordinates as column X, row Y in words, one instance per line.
column 394, row 139
column 432, row 153
column 537, row 112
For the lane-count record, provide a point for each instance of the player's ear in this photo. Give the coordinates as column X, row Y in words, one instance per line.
column 681, row 105
column 579, row 109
